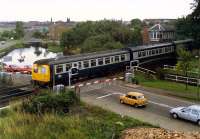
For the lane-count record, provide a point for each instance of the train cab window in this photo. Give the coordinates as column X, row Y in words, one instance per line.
column 116, row 58
column 123, row 57
column 35, row 70
column 107, row 60
column 86, row 64
column 68, row 66
column 59, row 68
column 43, row 70
column 93, row 63
column 100, row 61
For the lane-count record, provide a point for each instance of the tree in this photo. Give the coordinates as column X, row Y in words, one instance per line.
column 67, row 40
column 184, row 63
column 38, row 34
column 19, row 30
column 100, row 43
column 189, row 26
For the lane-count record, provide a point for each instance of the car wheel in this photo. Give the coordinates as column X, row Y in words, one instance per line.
column 135, row 105
column 121, row 101
column 174, row 115
column 198, row 122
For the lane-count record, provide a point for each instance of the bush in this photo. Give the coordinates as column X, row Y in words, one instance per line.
column 135, row 80
column 50, row 102
column 160, row 73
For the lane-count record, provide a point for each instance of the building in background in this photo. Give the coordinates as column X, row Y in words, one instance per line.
column 56, row 29
column 161, row 33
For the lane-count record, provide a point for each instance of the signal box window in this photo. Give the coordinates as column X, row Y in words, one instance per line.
column 93, row 63
column 68, row 66
column 100, row 61
column 59, row 69
column 86, row 64
column 107, row 60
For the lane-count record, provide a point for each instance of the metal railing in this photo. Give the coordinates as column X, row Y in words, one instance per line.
column 144, row 70
column 182, row 79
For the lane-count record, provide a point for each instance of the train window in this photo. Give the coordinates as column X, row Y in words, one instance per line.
column 86, row 64
column 68, row 66
column 157, row 51
column 160, row 50
column 107, row 60
column 144, row 53
column 112, row 59
column 139, row 54
column 116, row 58
column 93, row 63
column 100, row 61
column 150, row 52
column 80, row 65
column 123, row 57
column 59, row 68
column 153, row 52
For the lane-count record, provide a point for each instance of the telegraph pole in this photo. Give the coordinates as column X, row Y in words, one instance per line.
column 198, row 74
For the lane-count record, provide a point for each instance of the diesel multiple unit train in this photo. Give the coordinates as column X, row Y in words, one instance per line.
column 59, row 70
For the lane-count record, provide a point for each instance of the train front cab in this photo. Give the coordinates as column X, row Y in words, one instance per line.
column 41, row 74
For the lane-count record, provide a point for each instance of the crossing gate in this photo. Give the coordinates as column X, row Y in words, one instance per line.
column 97, row 84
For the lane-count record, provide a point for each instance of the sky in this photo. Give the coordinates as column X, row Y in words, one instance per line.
column 82, row 10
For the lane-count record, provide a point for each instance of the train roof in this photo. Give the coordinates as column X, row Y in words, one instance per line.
column 80, row 57
column 143, row 47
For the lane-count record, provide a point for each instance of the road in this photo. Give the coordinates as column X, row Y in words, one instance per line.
column 156, row 113
column 7, row 44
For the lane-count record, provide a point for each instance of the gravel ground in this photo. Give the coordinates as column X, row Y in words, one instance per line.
column 157, row 133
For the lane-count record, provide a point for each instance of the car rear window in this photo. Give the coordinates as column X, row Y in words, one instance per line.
column 140, row 97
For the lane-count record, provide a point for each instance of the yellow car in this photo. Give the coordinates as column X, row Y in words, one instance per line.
column 134, row 98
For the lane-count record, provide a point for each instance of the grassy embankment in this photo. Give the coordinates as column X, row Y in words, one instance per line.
column 176, row 89
column 82, row 121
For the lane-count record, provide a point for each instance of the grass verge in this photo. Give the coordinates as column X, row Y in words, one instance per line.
column 82, row 121
column 176, row 89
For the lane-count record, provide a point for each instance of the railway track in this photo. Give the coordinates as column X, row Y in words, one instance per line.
column 8, row 94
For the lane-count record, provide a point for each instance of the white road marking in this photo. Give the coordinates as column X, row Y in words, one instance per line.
column 160, row 104
column 80, row 85
column 109, row 95
column 118, row 93
column 88, row 83
column 96, row 82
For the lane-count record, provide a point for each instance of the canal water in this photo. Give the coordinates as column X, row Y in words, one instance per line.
column 27, row 56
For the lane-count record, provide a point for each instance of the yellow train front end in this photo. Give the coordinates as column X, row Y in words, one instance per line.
column 41, row 74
